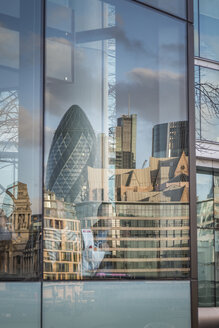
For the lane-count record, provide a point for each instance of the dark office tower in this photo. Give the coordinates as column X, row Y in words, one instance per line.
column 72, row 150
column 126, row 142
column 170, row 139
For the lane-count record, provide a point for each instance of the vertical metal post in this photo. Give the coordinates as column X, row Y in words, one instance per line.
column 192, row 168
column 43, row 79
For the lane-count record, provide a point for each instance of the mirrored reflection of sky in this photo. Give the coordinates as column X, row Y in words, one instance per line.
column 209, row 26
column 177, row 7
column 209, row 120
column 150, row 68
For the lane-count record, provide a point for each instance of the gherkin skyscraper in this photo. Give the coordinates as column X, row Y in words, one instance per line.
column 72, row 150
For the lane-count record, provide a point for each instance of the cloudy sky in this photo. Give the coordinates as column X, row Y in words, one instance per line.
column 148, row 66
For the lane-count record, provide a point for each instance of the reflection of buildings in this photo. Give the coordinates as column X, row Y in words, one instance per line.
column 206, row 265
column 126, row 142
column 145, row 232
column 20, row 242
column 62, row 240
column 205, row 213
column 170, row 139
column 207, row 247
column 142, row 231
column 72, row 150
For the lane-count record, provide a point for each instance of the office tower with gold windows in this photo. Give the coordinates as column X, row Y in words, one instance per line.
column 62, row 240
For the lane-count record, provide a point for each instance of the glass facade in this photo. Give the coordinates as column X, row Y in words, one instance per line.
column 20, row 140
column 20, row 304
column 130, row 207
column 95, row 177
column 89, row 304
column 208, row 24
column 176, row 7
column 207, row 118
column 207, row 147
column 207, row 220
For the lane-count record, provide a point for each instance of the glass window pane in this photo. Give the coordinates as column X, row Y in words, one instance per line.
column 10, row 7
column 207, row 114
column 206, row 267
column 116, row 148
column 209, row 26
column 117, row 304
column 176, row 7
column 217, row 265
column 216, row 199
column 20, row 142
column 205, row 201
column 20, row 305
column 196, row 27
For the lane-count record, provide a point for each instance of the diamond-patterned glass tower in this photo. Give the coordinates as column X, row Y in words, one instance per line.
column 72, row 150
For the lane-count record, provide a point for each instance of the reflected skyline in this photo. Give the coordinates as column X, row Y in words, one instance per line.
column 130, row 222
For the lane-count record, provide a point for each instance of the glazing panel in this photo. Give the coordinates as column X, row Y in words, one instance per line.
column 176, row 7
column 20, row 130
column 116, row 304
column 20, row 305
column 116, row 201
column 206, row 267
column 216, row 199
column 207, row 113
column 205, row 200
column 19, row 255
column 217, row 266
column 196, row 27
column 10, row 7
column 209, row 26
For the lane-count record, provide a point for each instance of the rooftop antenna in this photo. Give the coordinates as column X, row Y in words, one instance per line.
column 128, row 105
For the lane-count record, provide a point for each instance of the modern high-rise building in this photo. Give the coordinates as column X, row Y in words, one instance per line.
column 126, row 142
column 72, row 149
column 170, row 139
column 109, row 217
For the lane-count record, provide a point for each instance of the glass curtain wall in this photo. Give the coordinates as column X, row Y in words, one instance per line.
column 176, row 7
column 206, row 29
column 20, row 163
column 114, row 137
column 109, row 304
column 20, row 140
column 116, row 197
column 208, row 234
column 207, row 106
column 207, row 147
